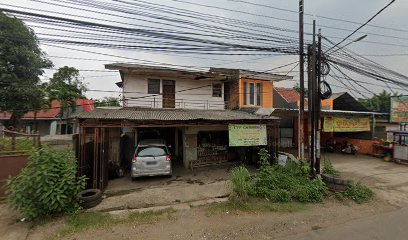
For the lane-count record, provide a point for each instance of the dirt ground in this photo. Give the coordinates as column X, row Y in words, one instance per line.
column 388, row 180
column 198, row 224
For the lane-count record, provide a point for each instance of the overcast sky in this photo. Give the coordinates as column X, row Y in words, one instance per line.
column 359, row 11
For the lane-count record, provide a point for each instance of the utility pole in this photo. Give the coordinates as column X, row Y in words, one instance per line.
column 309, row 103
column 312, row 97
column 301, row 131
column 318, row 100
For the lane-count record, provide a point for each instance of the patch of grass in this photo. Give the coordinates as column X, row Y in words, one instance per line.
column 356, row 192
column 329, row 169
column 84, row 221
column 21, row 144
column 240, row 185
column 150, row 216
column 88, row 220
column 254, row 205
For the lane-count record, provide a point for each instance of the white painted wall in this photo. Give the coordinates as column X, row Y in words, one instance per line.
column 53, row 128
column 135, row 88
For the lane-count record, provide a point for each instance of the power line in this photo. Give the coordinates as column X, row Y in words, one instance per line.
column 364, row 24
column 320, row 16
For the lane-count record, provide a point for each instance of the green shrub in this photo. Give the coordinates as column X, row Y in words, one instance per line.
column 280, row 195
column 358, row 193
column 283, row 184
column 329, row 169
column 239, row 179
column 47, row 185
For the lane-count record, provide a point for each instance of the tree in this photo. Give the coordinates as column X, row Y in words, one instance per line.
column 296, row 87
column 379, row 102
column 108, row 102
column 65, row 87
column 21, row 63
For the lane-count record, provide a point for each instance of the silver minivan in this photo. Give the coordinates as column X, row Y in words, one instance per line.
column 151, row 158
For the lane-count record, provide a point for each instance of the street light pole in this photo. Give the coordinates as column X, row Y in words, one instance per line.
column 355, row 40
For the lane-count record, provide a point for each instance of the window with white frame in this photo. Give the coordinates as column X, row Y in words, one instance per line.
column 252, row 94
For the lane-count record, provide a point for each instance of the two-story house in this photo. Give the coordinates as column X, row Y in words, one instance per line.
column 202, row 115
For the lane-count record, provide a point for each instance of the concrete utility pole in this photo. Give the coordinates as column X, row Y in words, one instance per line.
column 318, row 103
column 312, row 99
column 301, row 131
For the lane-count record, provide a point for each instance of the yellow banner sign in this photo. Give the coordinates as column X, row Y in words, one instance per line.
column 339, row 124
column 399, row 109
column 247, row 135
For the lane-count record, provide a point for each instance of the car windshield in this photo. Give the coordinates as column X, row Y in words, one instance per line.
column 151, row 151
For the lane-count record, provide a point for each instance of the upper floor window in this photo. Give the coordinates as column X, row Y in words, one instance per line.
column 217, row 90
column 245, row 93
column 153, row 86
column 252, row 94
column 258, row 94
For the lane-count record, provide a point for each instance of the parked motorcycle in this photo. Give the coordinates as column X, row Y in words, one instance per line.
column 350, row 149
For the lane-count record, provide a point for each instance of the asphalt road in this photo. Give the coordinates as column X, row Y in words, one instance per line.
column 387, row 226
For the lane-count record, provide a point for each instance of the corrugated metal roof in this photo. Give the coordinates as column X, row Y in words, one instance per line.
column 169, row 115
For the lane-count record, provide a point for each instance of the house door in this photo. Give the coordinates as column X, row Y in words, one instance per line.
column 169, row 94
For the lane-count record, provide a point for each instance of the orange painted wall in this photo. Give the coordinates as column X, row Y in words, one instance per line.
column 267, row 93
column 365, row 146
column 327, row 103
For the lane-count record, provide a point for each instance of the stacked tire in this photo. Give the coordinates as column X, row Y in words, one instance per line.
column 89, row 198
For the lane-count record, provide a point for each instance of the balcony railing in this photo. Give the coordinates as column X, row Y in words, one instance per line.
column 153, row 102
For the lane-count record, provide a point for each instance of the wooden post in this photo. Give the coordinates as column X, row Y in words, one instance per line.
column 34, row 140
column 39, row 139
column 13, row 141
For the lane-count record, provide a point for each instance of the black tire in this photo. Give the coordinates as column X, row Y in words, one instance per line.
column 89, row 195
column 91, row 204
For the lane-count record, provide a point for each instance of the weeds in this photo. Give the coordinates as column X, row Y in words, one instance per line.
column 277, row 183
column 329, row 169
column 254, row 205
column 20, row 144
column 84, row 221
column 284, row 184
column 356, row 192
column 239, row 179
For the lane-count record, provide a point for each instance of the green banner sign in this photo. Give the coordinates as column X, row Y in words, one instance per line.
column 399, row 109
column 241, row 135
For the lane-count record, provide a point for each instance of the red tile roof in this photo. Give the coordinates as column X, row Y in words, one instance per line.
column 290, row 95
column 54, row 110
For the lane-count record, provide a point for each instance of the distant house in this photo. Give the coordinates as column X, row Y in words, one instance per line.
column 343, row 101
column 339, row 105
column 50, row 121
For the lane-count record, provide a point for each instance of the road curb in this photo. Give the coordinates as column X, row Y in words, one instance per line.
column 177, row 207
